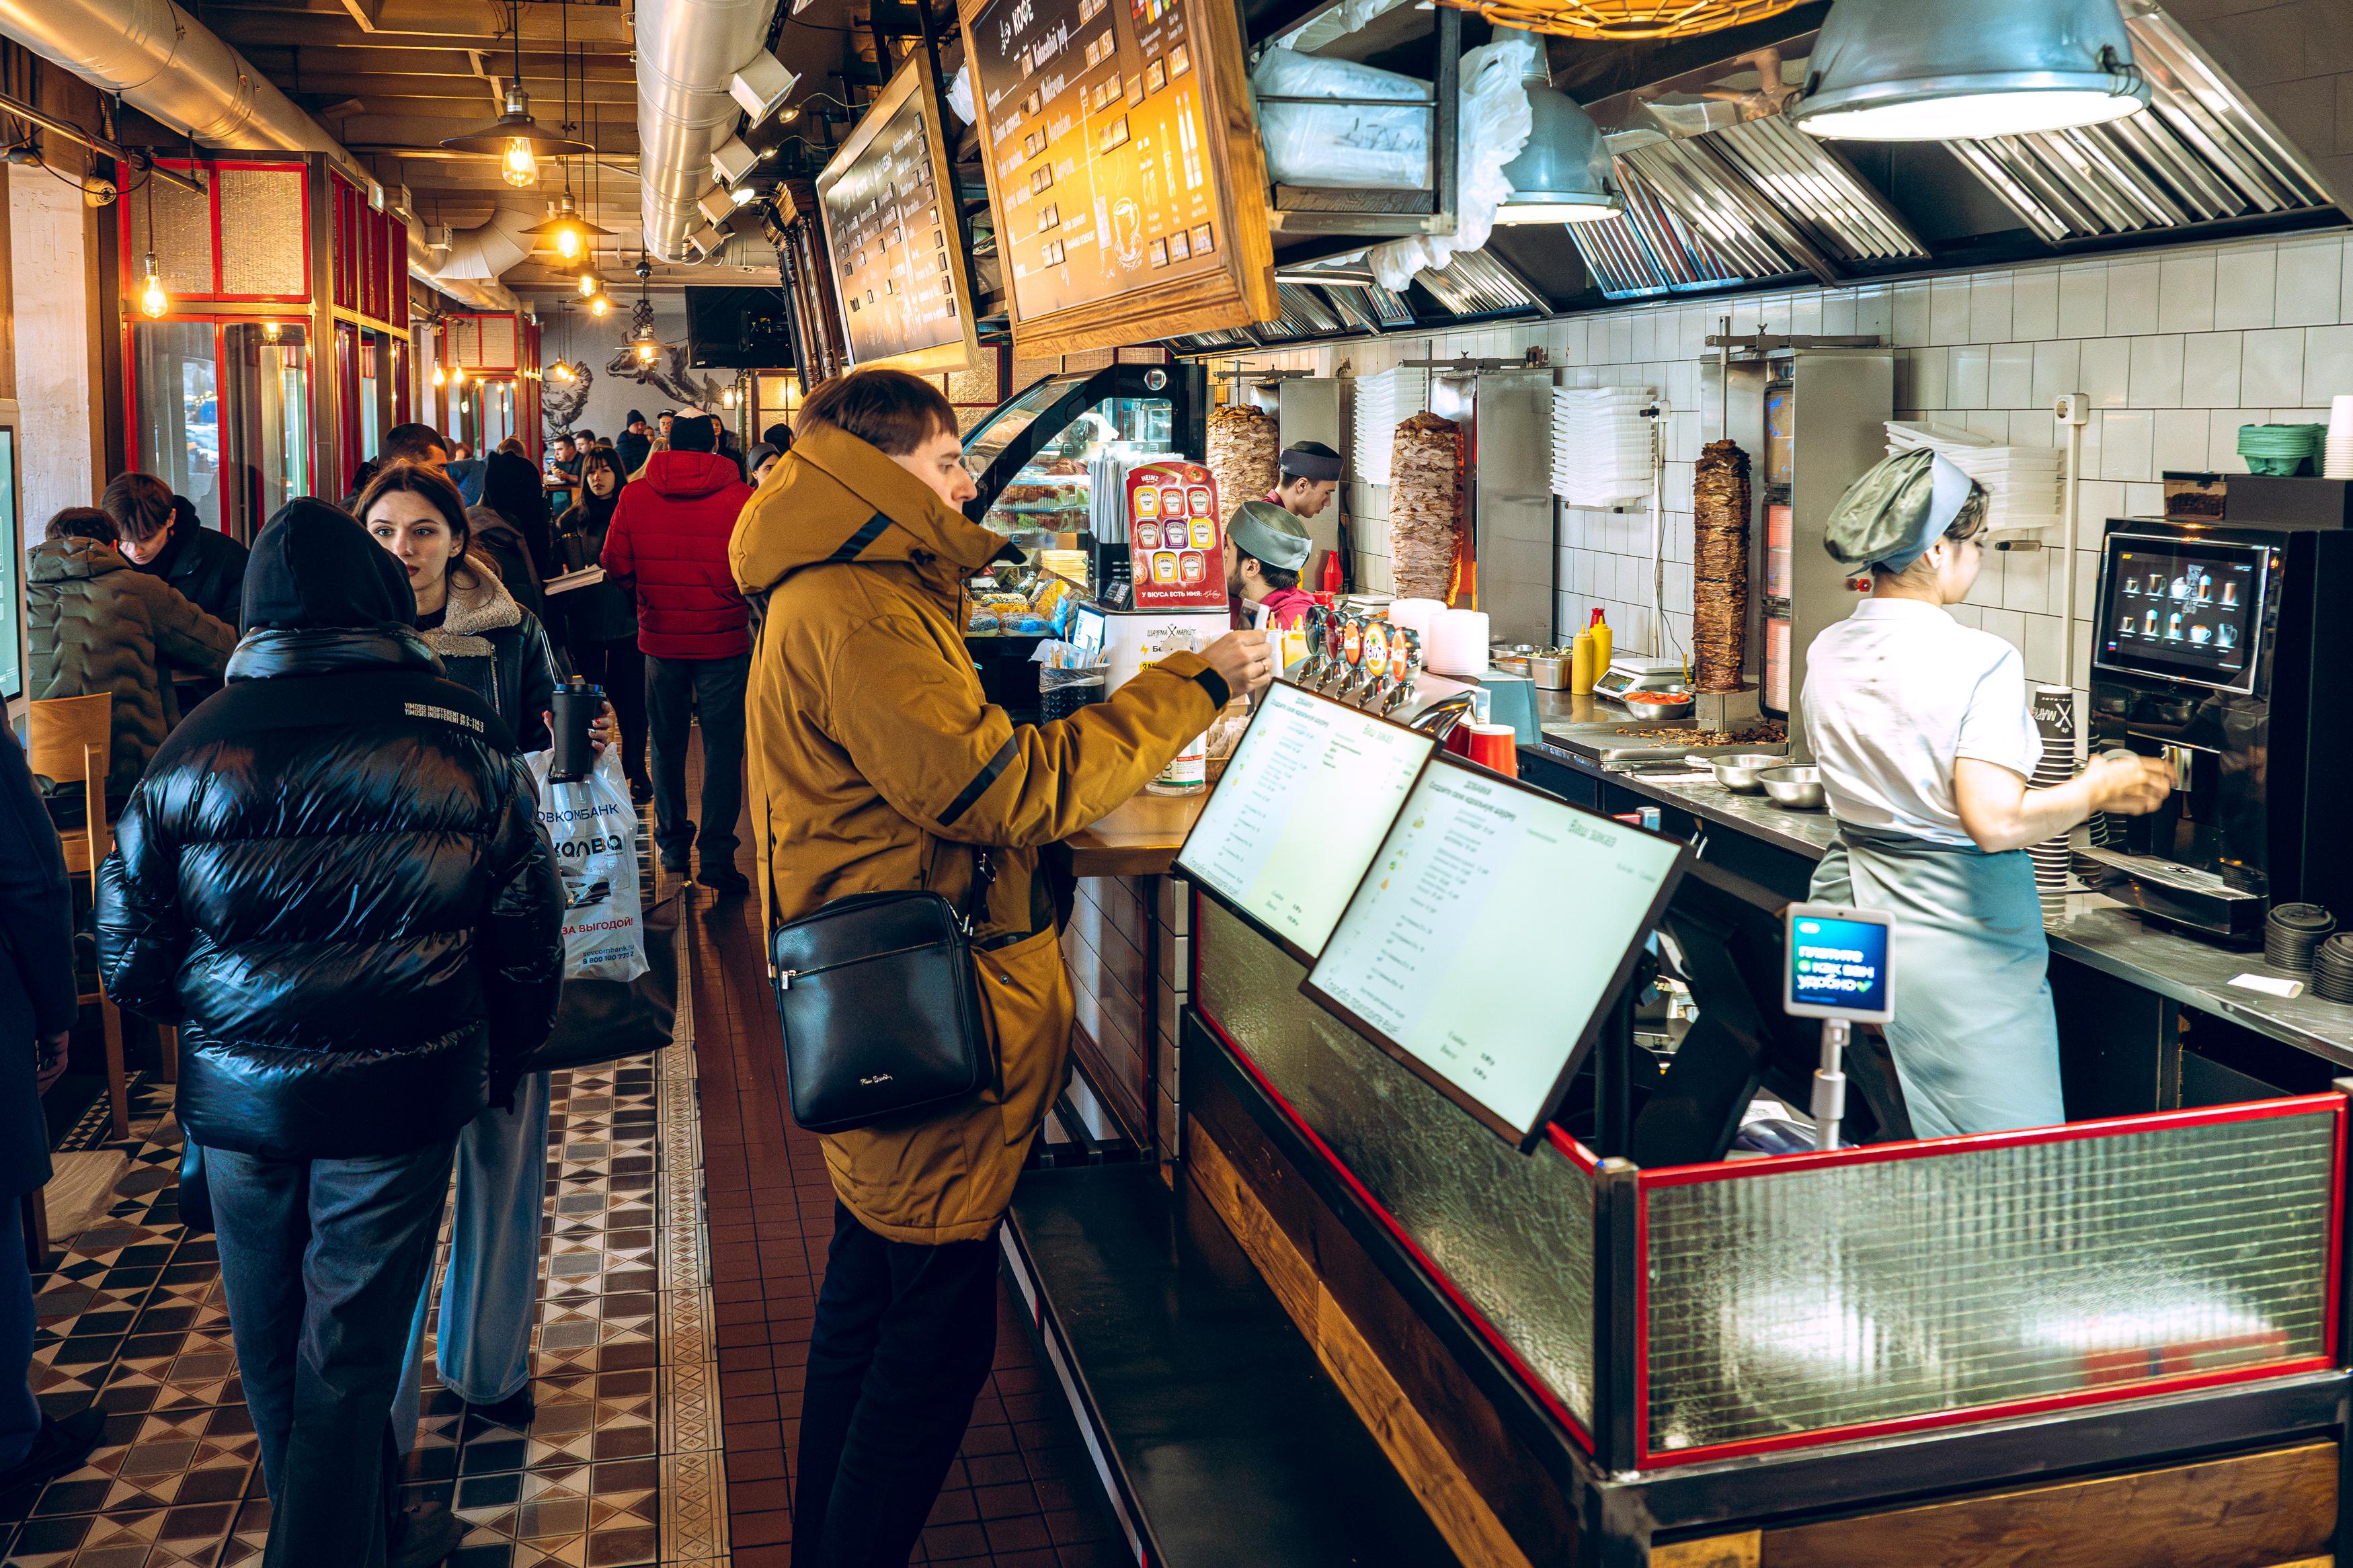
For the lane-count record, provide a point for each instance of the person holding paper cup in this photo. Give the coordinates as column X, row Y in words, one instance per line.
column 1926, row 742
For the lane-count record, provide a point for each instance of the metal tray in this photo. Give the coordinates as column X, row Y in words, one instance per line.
column 1603, row 744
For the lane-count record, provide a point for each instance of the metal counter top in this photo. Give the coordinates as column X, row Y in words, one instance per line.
column 2096, row 929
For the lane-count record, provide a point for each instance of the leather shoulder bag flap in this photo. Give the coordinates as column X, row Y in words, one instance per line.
column 880, row 1008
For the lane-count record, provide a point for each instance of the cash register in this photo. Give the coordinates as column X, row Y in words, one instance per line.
column 2225, row 650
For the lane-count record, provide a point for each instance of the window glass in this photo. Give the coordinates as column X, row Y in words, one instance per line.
column 270, row 414
column 179, row 410
column 12, row 568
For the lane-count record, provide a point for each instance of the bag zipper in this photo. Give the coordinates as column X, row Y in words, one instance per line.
column 785, row 977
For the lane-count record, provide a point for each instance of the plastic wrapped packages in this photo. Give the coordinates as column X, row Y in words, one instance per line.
column 1495, row 120
column 959, row 94
column 1051, row 603
column 1349, row 145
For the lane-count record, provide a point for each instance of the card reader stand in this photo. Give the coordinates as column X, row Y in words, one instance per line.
column 1728, row 935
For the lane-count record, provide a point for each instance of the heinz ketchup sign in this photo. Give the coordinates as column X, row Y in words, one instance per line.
column 1172, row 535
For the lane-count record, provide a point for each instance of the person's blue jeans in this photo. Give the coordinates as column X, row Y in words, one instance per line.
column 489, row 1297
column 20, row 1416
column 322, row 1260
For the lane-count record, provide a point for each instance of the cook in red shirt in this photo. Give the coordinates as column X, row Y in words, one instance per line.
column 1265, row 548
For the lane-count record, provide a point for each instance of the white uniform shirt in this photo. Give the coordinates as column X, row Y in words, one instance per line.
column 1893, row 694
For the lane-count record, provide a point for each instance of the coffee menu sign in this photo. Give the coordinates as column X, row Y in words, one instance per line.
column 1126, row 179
column 888, row 202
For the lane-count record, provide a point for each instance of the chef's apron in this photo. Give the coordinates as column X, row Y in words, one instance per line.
column 1975, row 1040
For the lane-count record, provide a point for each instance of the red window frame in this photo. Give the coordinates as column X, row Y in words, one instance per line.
column 212, row 201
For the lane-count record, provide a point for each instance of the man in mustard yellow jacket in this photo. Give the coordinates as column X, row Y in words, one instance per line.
column 876, row 764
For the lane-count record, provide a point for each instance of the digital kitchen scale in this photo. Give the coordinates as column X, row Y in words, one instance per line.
column 1637, row 672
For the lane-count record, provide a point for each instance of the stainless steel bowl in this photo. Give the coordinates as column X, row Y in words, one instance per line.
column 1799, row 788
column 1658, row 705
column 1739, row 774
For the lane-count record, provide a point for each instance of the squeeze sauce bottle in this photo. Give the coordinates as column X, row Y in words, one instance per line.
column 1580, row 665
column 1604, row 641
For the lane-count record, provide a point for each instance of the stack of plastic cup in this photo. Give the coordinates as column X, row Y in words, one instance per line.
column 2336, row 456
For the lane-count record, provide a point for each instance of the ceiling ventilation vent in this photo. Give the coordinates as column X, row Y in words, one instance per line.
column 1651, row 249
column 1812, row 185
column 2200, row 153
column 1474, row 283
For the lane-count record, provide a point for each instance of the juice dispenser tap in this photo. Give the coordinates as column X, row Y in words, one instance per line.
column 1373, row 679
column 1405, row 665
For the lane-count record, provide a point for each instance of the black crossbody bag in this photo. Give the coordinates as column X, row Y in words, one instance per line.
column 879, row 1006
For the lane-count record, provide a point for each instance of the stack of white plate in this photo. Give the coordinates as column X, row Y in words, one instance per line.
column 1384, row 400
column 2336, row 458
column 1601, row 444
column 2021, row 482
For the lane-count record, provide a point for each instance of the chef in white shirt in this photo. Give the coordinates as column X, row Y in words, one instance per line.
column 1922, row 728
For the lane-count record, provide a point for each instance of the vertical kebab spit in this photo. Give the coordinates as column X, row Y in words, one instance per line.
column 1243, row 456
column 1425, row 505
column 1720, row 565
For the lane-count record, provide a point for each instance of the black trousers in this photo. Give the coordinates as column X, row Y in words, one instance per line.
column 713, row 689
column 323, row 1261
column 620, row 669
column 903, row 1343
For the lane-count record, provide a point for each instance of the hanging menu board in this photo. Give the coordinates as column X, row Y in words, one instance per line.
column 888, row 202
column 1489, row 938
column 1311, row 791
column 1126, row 176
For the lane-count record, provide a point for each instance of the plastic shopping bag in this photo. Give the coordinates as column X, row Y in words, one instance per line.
column 593, row 829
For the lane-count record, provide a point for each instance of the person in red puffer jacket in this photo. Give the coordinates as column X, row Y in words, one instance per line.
column 668, row 542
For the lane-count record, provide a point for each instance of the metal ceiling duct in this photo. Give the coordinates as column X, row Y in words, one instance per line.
column 1301, row 314
column 480, row 296
column 688, row 53
column 489, row 250
column 166, row 64
column 1651, row 250
column 1747, row 232
column 2201, row 154
column 1474, row 283
column 1810, row 182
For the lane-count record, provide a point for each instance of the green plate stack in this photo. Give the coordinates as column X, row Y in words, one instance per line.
column 2281, row 448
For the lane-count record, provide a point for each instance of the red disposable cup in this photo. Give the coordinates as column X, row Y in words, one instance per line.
column 1495, row 746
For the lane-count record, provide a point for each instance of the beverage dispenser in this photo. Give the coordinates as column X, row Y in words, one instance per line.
column 2224, row 649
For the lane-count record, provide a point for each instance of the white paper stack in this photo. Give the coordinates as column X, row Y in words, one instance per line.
column 1601, row 444
column 2021, row 482
column 1383, row 401
column 2336, row 458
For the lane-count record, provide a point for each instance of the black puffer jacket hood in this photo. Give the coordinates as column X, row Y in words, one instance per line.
column 333, row 881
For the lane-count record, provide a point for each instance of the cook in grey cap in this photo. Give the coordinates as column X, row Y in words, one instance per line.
column 1900, row 506
column 1927, row 753
column 1311, row 474
column 1266, row 547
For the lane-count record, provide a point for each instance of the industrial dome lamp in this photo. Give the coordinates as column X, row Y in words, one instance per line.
column 514, row 138
column 1561, row 175
column 1924, row 70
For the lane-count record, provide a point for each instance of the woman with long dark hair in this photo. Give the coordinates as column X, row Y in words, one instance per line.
column 511, row 487
column 601, row 620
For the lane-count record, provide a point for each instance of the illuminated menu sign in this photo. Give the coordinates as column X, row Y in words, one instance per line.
column 1112, row 177
column 1306, row 800
column 1178, row 555
column 1489, row 937
column 897, row 255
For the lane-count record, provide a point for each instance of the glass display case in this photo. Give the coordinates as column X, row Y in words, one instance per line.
column 1034, row 457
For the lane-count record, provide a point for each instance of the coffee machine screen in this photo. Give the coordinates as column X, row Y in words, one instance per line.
column 2182, row 609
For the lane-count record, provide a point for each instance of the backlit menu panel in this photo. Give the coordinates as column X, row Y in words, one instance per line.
column 1492, row 930
column 1303, row 804
column 897, row 257
column 1108, row 159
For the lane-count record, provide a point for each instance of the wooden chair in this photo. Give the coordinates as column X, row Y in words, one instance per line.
column 71, row 739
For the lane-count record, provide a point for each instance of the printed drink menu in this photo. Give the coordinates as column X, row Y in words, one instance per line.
column 897, row 253
column 1491, row 931
column 1311, row 791
column 1096, row 117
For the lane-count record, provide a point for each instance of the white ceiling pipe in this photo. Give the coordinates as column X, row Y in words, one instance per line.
column 170, row 65
column 422, row 261
column 688, row 51
column 746, row 250
column 486, row 251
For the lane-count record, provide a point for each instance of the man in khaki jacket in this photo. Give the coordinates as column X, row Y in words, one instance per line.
column 876, row 764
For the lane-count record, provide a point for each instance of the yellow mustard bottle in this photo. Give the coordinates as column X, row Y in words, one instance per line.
column 1604, row 644
column 1580, row 665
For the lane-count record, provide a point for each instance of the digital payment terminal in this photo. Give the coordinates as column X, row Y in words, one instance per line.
column 1837, row 969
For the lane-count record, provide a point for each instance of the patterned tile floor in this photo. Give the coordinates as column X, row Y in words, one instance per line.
column 668, row 1361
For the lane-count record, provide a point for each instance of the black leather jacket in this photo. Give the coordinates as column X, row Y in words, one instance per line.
column 356, row 924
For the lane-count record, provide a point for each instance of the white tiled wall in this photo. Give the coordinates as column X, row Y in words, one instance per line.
column 2174, row 350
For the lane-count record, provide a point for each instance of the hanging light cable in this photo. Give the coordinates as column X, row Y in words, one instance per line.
column 152, row 300
column 514, row 138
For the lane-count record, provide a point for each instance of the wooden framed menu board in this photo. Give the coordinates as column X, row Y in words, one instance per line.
column 888, row 200
column 1125, row 171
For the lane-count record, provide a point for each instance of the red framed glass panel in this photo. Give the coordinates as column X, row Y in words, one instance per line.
column 130, row 213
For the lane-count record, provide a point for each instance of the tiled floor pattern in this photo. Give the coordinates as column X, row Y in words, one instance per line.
column 1023, row 1494
column 620, row 1466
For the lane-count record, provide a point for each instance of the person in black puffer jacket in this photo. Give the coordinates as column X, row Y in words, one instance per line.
column 333, row 880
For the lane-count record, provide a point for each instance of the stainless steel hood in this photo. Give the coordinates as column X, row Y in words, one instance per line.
column 2200, row 153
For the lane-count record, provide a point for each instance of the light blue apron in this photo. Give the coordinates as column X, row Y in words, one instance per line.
column 1975, row 1040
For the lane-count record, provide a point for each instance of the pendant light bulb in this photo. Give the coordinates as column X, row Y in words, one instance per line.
column 599, row 306
column 727, row 398
column 269, row 330
column 440, row 379
column 567, row 244
column 458, row 375
column 645, row 351
column 152, row 300
column 519, row 166
column 587, row 285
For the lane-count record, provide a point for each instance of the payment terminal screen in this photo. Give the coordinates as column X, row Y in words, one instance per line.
column 1491, row 930
column 1837, row 963
column 1288, row 833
